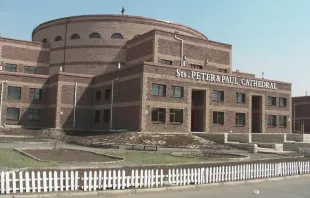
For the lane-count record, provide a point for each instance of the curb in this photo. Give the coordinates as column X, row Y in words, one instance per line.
column 154, row 190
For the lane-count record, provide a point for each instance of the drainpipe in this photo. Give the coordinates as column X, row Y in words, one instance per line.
column 1, row 100
column 112, row 101
column 175, row 36
column 74, row 106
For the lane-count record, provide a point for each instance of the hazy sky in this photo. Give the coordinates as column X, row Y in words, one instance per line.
column 270, row 36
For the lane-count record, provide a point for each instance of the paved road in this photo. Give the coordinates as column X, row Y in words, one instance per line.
column 293, row 188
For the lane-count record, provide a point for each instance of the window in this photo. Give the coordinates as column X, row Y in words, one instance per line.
column 218, row 117
column 35, row 94
column 272, row 120
column 107, row 94
column 30, row 69
column 218, row 95
column 222, row 70
column 282, row 121
column 34, row 114
column 196, row 66
column 95, row 35
column 10, row 67
column 44, row 40
column 240, row 97
column 176, row 116
column 58, row 38
column 117, row 36
column 75, row 36
column 14, row 92
column 177, row 91
column 106, row 115
column 97, row 116
column 12, row 113
column 240, row 119
column 158, row 90
column 98, row 95
column 272, row 101
column 158, row 115
column 282, row 102
column 166, row 62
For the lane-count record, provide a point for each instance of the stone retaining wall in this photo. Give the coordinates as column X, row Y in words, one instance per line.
column 241, row 137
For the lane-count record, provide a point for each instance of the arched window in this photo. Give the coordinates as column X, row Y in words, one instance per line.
column 95, row 35
column 75, row 36
column 44, row 40
column 136, row 36
column 58, row 38
column 117, row 36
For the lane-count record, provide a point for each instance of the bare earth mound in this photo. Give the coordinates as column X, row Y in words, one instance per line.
column 163, row 140
column 68, row 155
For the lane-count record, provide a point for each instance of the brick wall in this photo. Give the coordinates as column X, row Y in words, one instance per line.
column 166, row 76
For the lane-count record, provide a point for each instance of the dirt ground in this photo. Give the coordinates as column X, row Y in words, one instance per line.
column 162, row 140
column 68, row 155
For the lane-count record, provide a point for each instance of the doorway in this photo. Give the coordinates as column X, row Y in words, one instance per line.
column 257, row 114
column 198, row 111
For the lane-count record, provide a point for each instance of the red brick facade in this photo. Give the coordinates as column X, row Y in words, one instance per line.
column 71, row 86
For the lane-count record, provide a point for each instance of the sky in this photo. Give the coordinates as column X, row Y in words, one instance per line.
column 270, row 36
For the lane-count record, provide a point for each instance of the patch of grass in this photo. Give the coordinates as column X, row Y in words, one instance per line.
column 10, row 158
column 158, row 158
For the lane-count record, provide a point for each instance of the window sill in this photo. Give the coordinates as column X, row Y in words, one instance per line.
column 270, row 105
column 239, row 125
column 177, row 97
column 156, row 122
column 218, row 124
column 271, row 126
column 13, row 98
column 11, row 119
column 282, row 126
column 158, row 96
column 240, row 102
column 218, row 100
column 175, row 123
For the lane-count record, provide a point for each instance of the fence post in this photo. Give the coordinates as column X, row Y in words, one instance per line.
column 27, row 181
column 7, row 183
column 161, row 177
column 177, row 176
column 145, row 178
column 141, row 179
column 14, row 182
column 118, row 179
column 100, row 180
column 39, row 181
column 136, row 178
column 105, row 180
column 72, row 180
column 90, row 179
column 44, row 181
column 2, row 183
column 124, row 179
column 152, row 178
column 21, row 181
column 55, row 181
column 85, row 181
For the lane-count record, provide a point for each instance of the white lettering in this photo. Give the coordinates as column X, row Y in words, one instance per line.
column 225, row 79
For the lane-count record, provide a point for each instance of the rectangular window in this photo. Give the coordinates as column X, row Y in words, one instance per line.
column 97, row 116
column 218, row 117
column 98, row 95
column 107, row 94
column 218, row 95
column 14, row 92
column 12, row 113
column 240, row 119
column 158, row 115
column 282, row 121
column 222, row 70
column 34, row 114
column 272, row 120
column 10, row 67
column 176, row 116
column 177, row 91
column 167, row 62
column 158, row 90
column 196, row 66
column 106, row 115
column 240, row 97
column 282, row 102
column 30, row 69
column 272, row 101
column 35, row 94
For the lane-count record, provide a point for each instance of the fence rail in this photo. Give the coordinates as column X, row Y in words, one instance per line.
column 21, row 182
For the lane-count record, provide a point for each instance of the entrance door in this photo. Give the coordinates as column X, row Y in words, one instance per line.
column 198, row 110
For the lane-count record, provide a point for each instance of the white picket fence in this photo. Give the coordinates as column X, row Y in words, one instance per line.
column 120, row 179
